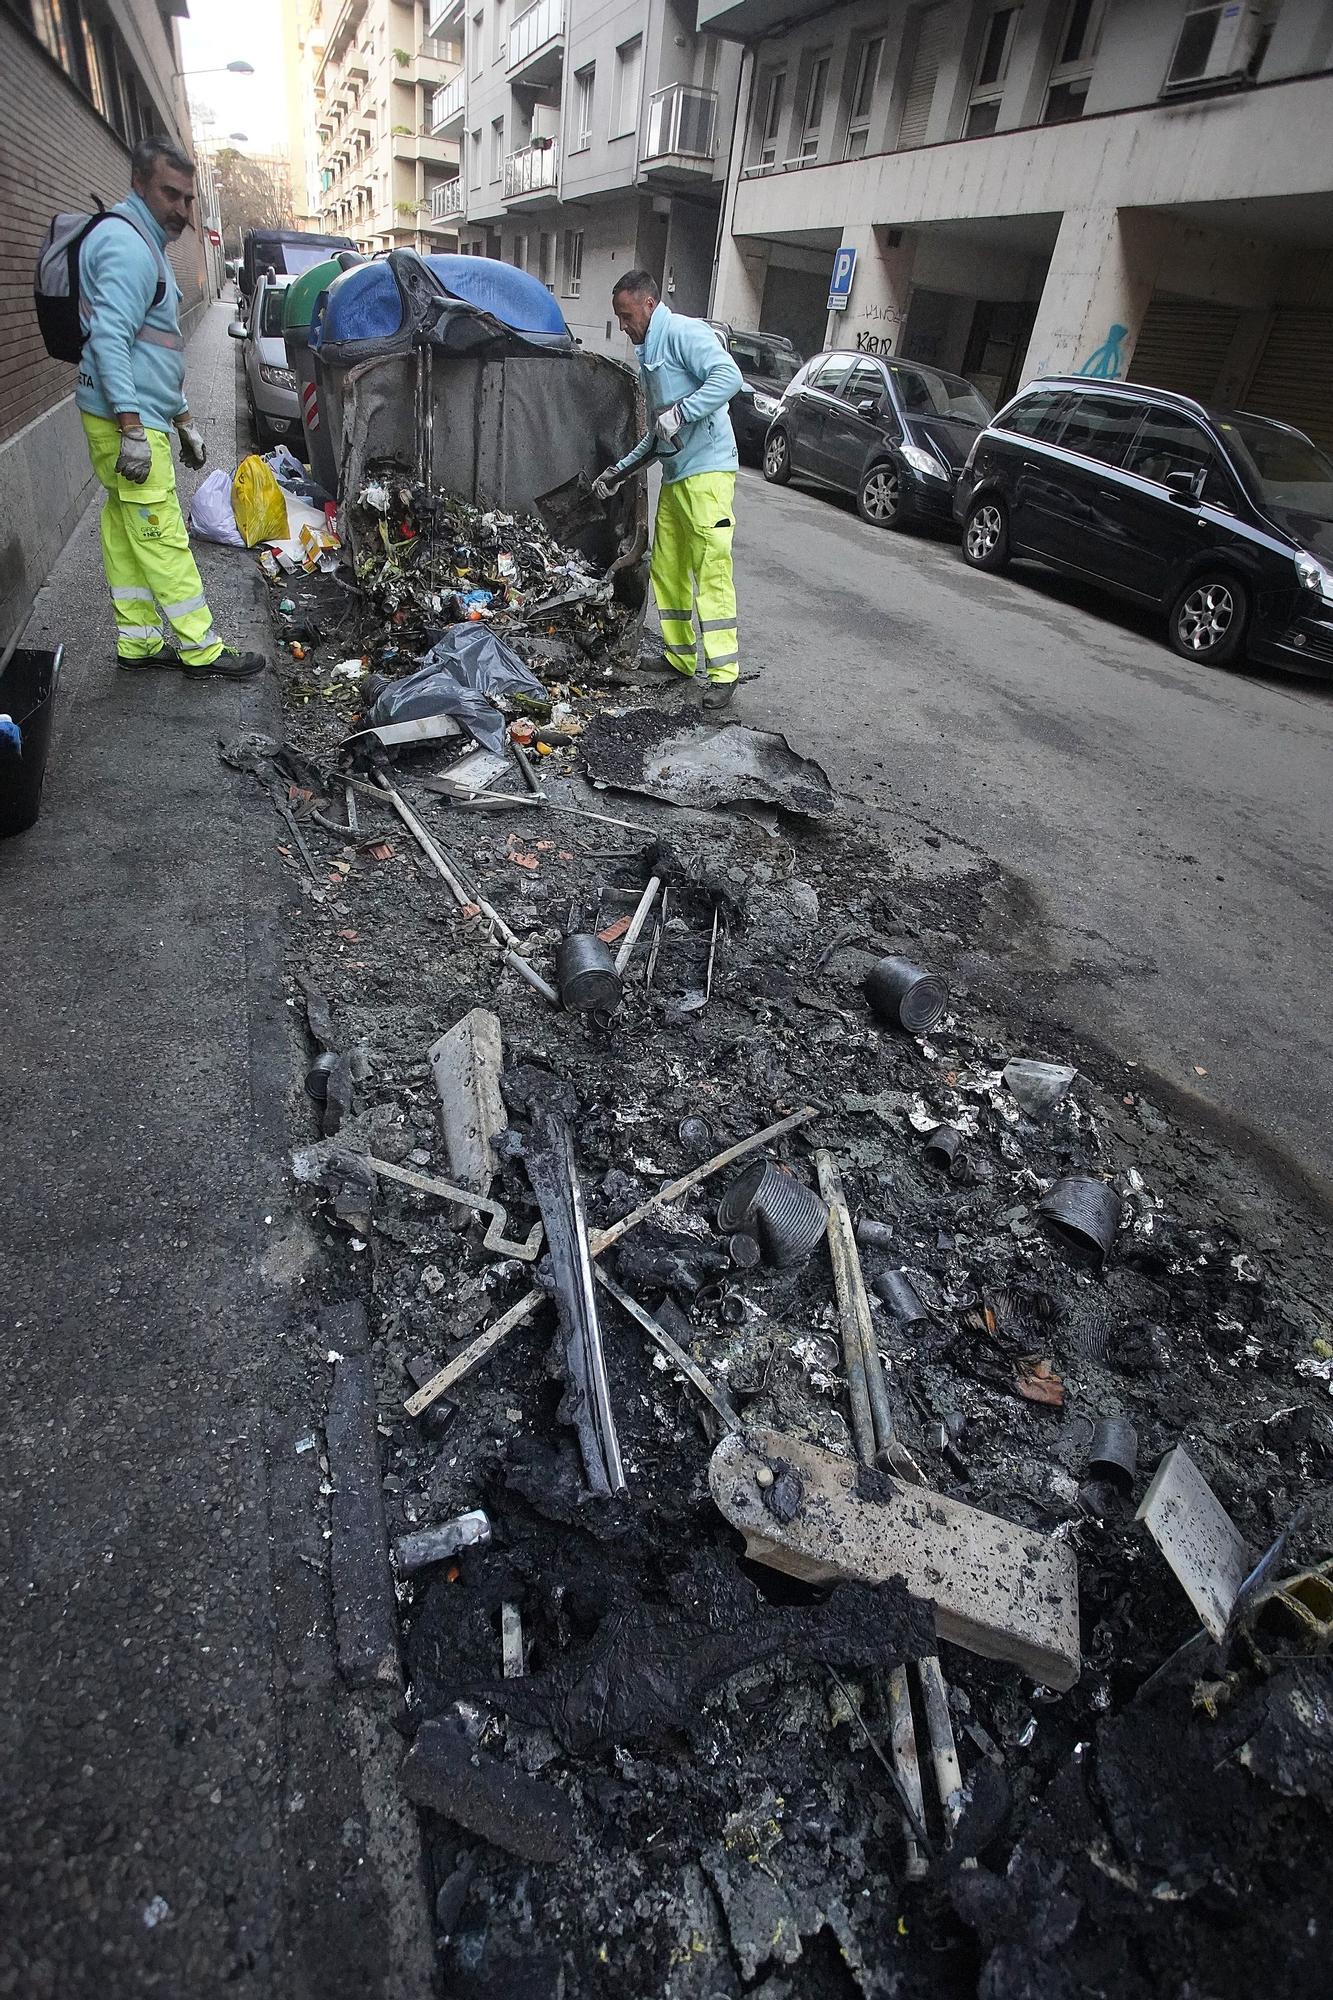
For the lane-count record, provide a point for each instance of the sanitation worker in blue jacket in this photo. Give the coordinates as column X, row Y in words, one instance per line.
column 688, row 380
column 131, row 396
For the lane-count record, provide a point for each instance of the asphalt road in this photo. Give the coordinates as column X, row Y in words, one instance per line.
column 1167, row 829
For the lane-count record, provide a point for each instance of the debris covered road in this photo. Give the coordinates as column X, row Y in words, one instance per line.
column 678, row 1727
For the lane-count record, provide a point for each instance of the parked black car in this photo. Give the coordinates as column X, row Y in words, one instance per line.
column 894, row 433
column 1224, row 521
column 767, row 362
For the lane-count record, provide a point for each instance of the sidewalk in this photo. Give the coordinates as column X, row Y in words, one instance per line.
column 185, row 1809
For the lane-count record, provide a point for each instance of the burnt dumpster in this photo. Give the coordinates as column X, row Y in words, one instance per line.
column 456, row 379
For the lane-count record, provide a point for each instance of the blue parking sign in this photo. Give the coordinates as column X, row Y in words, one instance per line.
column 840, row 284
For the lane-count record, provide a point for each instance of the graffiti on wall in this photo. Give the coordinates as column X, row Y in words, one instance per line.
column 1107, row 362
column 873, row 343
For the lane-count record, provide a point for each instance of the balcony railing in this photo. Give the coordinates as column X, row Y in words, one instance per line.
column 532, row 29
column 447, row 103
column 440, row 11
column 446, row 199
column 532, row 168
column 682, row 122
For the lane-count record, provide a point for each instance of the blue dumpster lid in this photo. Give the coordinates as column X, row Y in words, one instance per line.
column 461, row 304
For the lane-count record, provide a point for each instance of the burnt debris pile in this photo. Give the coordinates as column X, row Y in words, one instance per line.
column 858, row 1472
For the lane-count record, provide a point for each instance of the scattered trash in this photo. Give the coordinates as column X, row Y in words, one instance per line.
column 904, row 996
column 1195, row 1533
column 900, row 1295
column 1114, row 1452
column 703, row 765
column 1083, row 1215
column 1037, row 1087
column 428, row 1546
column 1035, row 1378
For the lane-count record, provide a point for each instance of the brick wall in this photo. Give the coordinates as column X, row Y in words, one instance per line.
column 55, row 152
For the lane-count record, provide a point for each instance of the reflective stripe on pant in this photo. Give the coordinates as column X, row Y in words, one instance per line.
column 692, row 537
column 146, row 554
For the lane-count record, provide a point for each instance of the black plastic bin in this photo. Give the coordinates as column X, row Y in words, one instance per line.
column 28, row 694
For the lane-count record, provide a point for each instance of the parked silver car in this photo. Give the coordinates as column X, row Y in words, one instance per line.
column 270, row 386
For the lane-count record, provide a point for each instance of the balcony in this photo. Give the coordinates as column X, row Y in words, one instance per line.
column 447, row 110
column 535, row 52
column 682, row 135
column 532, row 173
column 747, row 20
column 436, row 152
column 444, row 13
column 446, row 201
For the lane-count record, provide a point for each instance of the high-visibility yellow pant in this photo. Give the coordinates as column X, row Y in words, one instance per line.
column 146, row 554
column 692, row 561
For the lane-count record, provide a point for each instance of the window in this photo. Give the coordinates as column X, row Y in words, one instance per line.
column 1100, row 427
column 983, row 113
column 625, row 99
column 498, row 32
column 497, row 147
column 478, row 47
column 865, row 383
column 863, row 96
column 771, row 88
column 929, row 392
column 814, row 107
column 584, row 80
column 1071, row 74
column 546, row 260
column 827, row 376
column 518, row 256
column 1168, row 441
column 475, row 150
column 573, row 284
column 1036, row 416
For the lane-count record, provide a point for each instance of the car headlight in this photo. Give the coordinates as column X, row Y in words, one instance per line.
column 922, row 461
column 277, row 378
column 767, row 406
column 1314, row 575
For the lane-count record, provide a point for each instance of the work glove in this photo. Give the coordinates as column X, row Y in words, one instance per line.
column 605, row 483
column 193, row 449
column 134, row 460
column 667, row 426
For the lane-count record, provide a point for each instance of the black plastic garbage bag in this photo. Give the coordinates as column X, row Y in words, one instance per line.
column 459, row 673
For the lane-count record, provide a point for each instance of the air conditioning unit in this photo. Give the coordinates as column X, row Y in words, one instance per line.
column 1216, row 45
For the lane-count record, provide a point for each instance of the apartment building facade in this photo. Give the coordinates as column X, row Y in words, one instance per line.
column 1138, row 188
column 594, row 137
column 372, row 68
column 80, row 82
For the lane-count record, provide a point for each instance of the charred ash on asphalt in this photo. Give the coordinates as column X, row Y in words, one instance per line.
column 685, row 1792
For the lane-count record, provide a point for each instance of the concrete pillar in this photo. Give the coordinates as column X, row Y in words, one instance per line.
column 881, row 289
column 1101, row 278
column 738, row 295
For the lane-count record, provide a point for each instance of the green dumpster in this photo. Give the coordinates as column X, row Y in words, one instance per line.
column 299, row 305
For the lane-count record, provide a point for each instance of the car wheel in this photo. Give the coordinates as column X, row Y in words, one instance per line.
column 1208, row 620
column 777, row 459
column 986, row 534
column 879, row 498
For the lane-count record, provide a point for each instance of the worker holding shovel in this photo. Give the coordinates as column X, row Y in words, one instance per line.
column 689, row 379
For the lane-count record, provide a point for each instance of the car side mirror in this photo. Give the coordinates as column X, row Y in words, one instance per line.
column 1184, row 487
column 869, row 406
column 237, row 329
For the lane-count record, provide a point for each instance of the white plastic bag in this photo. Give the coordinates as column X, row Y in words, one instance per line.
column 210, row 511
column 286, row 468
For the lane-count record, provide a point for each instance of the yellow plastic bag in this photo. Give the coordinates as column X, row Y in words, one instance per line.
column 257, row 503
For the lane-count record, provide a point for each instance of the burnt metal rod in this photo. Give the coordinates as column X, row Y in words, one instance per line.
column 853, row 1346
column 943, row 1748
column 594, row 1353
column 712, row 954
column 865, row 1369
column 297, row 835
column 910, row 1816
column 637, row 922
column 602, row 1239
column 902, row 1742
column 672, row 1349
column 512, row 957
column 526, row 772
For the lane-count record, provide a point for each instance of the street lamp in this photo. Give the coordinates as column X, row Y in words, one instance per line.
column 236, row 69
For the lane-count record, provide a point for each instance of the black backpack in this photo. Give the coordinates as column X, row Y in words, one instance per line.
column 56, row 286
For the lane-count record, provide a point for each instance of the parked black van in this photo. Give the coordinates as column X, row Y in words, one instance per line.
column 285, row 252
column 894, row 433
column 1225, row 521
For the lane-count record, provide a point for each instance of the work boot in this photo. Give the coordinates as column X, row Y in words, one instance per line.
column 719, row 694
column 230, row 665
column 150, row 661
